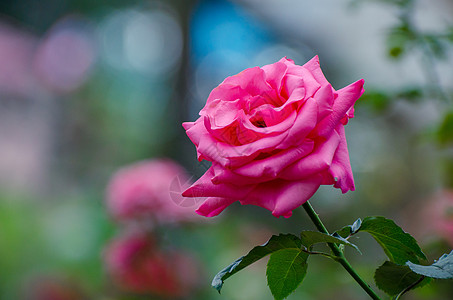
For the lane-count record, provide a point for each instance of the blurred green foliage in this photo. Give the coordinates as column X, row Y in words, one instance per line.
column 445, row 131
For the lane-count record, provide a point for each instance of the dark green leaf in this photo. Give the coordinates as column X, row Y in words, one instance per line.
column 396, row 51
column 398, row 245
column 398, row 40
column 393, row 278
column 445, row 131
column 411, row 94
column 349, row 230
column 285, row 271
column 275, row 243
column 344, row 232
column 442, row 269
column 377, row 100
column 309, row 238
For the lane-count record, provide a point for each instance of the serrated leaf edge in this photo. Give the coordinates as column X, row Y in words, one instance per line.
column 218, row 280
column 380, row 287
column 300, row 252
column 418, row 254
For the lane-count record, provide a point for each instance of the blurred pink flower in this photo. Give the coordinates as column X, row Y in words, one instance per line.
column 65, row 56
column 60, row 62
column 16, row 54
column 274, row 135
column 439, row 215
column 432, row 219
column 141, row 192
column 136, row 264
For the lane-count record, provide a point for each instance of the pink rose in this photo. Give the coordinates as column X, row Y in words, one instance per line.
column 440, row 215
column 137, row 264
column 274, row 135
column 141, row 191
column 437, row 214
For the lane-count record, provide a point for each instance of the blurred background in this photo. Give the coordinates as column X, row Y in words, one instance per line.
column 90, row 87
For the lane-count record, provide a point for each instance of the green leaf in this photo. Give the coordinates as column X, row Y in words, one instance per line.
column 349, row 230
column 275, row 243
column 309, row 238
column 344, row 232
column 393, row 278
column 398, row 245
column 285, row 271
column 410, row 94
column 399, row 39
column 441, row 269
column 445, row 131
column 376, row 99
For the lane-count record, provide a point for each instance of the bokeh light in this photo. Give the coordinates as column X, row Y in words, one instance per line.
column 64, row 58
column 144, row 41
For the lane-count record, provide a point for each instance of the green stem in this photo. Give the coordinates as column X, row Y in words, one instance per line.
column 338, row 253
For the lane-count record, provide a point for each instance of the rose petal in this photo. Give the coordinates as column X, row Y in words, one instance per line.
column 235, row 133
column 274, row 74
column 214, row 206
column 290, row 84
column 310, row 83
column 268, row 168
column 341, row 167
column 225, row 92
column 281, row 196
column 187, row 125
column 286, row 61
column 205, row 143
column 320, row 159
column 225, row 113
column 272, row 115
column 324, row 98
column 304, row 123
column 234, row 157
column 204, row 187
column 271, row 129
column 346, row 97
column 314, row 68
column 251, row 80
column 255, row 102
column 222, row 175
